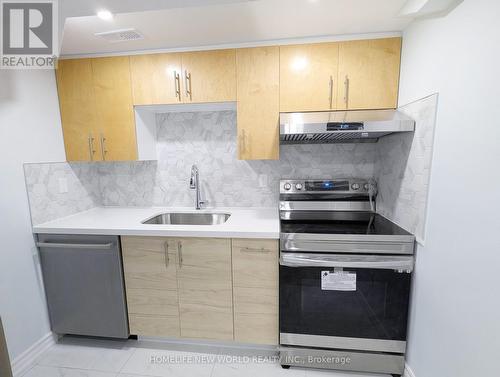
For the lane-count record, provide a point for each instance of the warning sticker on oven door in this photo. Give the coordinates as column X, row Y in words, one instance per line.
column 338, row 281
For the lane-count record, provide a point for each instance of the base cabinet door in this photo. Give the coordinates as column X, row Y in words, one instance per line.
column 255, row 290
column 151, row 283
column 205, row 288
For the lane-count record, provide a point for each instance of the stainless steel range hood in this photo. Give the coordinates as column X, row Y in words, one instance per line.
column 342, row 126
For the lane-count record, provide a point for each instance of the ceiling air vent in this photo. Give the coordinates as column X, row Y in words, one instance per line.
column 121, row 35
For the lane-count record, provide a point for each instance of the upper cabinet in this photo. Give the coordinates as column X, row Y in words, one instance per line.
column 156, row 78
column 78, row 113
column 190, row 77
column 369, row 74
column 258, row 103
column 308, row 77
column 97, row 116
column 209, row 76
column 113, row 94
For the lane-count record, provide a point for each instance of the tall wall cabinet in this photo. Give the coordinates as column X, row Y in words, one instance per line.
column 97, row 96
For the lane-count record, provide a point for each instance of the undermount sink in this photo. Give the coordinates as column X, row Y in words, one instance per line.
column 188, row 218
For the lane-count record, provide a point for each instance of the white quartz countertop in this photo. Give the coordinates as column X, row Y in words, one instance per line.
column 243, row 223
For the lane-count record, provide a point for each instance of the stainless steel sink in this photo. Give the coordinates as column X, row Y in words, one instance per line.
column 188, row 218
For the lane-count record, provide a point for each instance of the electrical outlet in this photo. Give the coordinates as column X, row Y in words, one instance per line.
column 262, row 180
column 63, row 185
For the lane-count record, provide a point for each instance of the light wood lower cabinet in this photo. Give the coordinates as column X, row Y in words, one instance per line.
column 205, row 288
column 150, row 271
column 255, row 290
column 208, row 288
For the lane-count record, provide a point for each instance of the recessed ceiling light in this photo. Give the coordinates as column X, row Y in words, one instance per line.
column 105, row 15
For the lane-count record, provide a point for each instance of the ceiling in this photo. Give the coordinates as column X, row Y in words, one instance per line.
column 171, row 24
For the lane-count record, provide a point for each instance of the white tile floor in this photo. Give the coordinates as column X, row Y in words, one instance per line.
column 75, row 357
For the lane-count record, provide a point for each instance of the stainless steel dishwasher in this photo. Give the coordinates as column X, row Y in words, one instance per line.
column 83, row 280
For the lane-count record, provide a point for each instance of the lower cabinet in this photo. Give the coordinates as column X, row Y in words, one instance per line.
column 209, row 288
column 150, row 271
column 255, row 290
column 205, row 290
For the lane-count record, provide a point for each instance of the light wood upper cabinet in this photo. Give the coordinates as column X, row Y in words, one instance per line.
column 97, row 115
column 113, row 94
column 369, row 74
column 209, row 76
column 308, row 77
column 258, row 103
column 205, row 288
column 255, row 290
column 150, row 270
column 77, row 105
column 156, row 78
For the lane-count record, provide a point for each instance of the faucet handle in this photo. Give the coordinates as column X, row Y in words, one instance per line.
column 191, row 183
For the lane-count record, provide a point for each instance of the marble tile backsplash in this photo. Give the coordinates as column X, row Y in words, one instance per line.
column 43, row 186
column 208, row 139
column 403, row 167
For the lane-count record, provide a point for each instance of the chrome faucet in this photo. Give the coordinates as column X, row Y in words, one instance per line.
column 194, row 184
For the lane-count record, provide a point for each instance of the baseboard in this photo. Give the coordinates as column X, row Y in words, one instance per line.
column 408, row 372
column 26, row 360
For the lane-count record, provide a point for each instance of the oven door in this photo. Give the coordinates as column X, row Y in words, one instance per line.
column 339, row 301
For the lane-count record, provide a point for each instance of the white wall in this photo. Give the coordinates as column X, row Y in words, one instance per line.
column 30, row 131
column 455, row 320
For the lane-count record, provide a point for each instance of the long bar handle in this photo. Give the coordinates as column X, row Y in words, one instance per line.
column 103, row 147
column 403, row 264
column 177, row 85
column 91, row 147
column 166, row 256
column 187, row 77
column 346, row 91
column 255, row 250
column 58, row 245
column 179, row 252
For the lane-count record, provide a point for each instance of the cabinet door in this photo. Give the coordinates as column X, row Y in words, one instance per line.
column 258, row 103
column 205, row 288
column 308, row 77
column 156, row 79
column 209, row 76
column 255, row 290
column 78, row 109
column 150, row 271
column 369, row 74
column 113, row 94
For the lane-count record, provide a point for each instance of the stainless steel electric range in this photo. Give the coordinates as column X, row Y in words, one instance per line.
column 345, row 275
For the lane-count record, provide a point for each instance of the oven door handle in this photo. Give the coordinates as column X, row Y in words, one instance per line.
column 399, row 263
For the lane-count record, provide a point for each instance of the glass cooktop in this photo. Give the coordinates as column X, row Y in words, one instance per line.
column 338, row 222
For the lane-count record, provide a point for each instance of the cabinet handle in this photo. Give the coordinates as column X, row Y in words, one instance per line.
column 179, row 252
column 103, row 147
column 346, row 91
column 331, row 91
column 255, row 250
column 165, row 250
column 177, row 85
column 91, row 147
column 187, row 77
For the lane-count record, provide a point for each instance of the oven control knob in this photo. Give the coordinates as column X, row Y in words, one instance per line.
column 287, row 186
column 298, row 186
column 355, row 186
column 366, row 186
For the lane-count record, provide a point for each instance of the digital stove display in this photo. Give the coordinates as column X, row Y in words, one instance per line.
column 327, row 185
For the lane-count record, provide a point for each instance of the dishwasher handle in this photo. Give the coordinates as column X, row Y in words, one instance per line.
column 58, row 245
column 400, row 263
